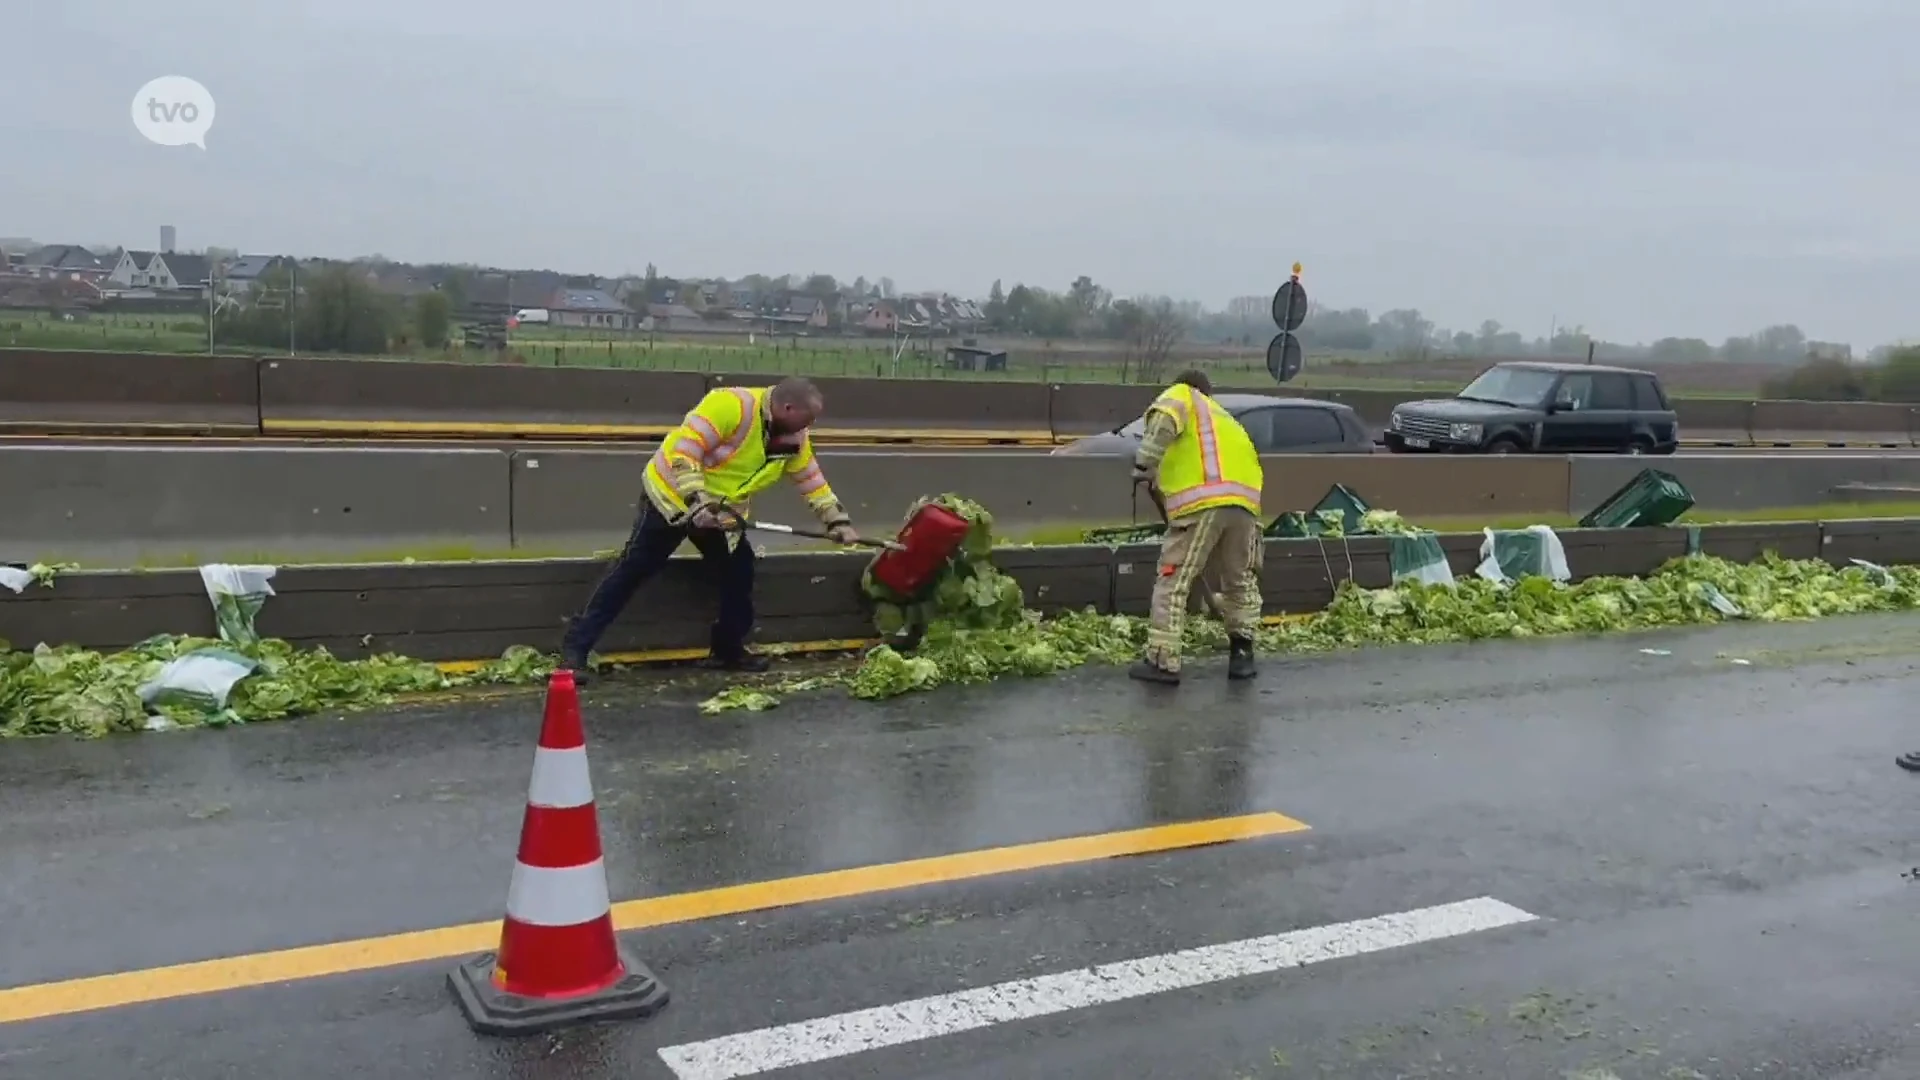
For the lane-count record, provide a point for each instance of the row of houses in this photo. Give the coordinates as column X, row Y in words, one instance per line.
column 75, row 275
column 84, row 274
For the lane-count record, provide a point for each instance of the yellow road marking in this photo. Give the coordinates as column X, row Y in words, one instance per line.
column 631, row 431
column 313, row 961
column 672, row 656
column 669, row 656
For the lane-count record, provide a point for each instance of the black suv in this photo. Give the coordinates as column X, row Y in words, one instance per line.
column 1521, row 408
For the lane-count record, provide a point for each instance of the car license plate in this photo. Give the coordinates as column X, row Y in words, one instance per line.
column 1418, row 444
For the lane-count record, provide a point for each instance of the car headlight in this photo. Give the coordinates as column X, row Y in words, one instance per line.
column 1468, row 433
column 1393, row 422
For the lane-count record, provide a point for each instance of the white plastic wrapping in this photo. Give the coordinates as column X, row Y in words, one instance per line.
column 237, row 593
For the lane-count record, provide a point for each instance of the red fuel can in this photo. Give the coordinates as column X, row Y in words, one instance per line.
column 928, row 539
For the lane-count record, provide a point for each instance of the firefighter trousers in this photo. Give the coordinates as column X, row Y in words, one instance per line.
column 1220, row 550
column 653, row 541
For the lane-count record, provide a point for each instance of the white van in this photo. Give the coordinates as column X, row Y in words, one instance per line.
column 532, row 315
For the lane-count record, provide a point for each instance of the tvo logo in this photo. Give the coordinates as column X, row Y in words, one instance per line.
column 173, row 110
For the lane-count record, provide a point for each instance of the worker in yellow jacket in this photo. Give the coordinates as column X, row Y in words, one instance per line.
column 738, row 441
column 1208, row 474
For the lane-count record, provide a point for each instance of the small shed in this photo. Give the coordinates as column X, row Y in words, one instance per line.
column 975, row 358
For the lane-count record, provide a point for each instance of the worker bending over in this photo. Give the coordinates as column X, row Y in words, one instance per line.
column 1208, row 472
column 738, row 441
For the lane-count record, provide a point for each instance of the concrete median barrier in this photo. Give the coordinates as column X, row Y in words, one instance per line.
column 76, row 392
column 65, row 392
column 1375, row 407
column 1075, row 410
column 1886, row 542
column 124, row 506
column 926, row 408
column 468, row 611
column 586, row 499
column 1418, row 485
column 1742, row 481
column 303, row 395
column 1722, row 423
column 1788, row 423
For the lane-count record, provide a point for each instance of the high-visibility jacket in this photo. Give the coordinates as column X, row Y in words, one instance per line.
column 721, row 448
column 1211, row 462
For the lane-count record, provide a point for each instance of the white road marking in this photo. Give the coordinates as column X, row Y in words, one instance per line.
column 831, row 1037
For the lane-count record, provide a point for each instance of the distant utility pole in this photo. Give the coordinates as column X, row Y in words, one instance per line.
column 293, row 294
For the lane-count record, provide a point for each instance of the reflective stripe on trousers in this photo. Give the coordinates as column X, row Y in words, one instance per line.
column 1221, row 549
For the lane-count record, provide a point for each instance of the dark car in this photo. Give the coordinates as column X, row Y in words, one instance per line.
column 1526, row 407
column 1276, row 425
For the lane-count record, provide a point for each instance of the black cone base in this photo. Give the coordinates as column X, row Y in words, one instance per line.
column 490, row 1011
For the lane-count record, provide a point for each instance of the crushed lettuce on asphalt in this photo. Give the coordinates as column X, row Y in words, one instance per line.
column 68, row 690
column 978, row 628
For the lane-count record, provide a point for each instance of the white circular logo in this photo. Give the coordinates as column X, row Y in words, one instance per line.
column 173, row 110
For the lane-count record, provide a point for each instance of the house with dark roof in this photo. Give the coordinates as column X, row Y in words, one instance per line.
column 73, row 261
column 588, row 308
column 157, row 270
column 497, row 294
column 243, row 274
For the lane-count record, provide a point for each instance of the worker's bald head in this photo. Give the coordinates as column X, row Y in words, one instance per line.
column 793, row 404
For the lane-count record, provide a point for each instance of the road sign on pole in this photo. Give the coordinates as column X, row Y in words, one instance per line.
column 1285, row 356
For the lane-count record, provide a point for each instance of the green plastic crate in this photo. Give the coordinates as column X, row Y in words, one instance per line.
column 1295, row 524
column 1288, row 525
column 1650, row 499
column 1124, row 534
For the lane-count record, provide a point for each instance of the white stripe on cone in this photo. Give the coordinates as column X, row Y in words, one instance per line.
column 560, row 779
column 540, row 896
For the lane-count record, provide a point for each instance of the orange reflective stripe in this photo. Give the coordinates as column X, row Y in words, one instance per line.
column 810, row 479
column 723, row 453
column 1209, row 445
column 1220, row 489
column 703, row 431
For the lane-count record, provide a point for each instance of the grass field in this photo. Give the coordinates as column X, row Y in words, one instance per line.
column 1028, row 360
column 1066, row 533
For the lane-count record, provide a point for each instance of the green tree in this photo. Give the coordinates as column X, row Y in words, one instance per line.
column 996, row 311
column 821, row 287
column 1402, row 329
column 430, row 319
column 1899, row 375
column 1089, row 300
column 1680, row 350
column 341, row 312
column 1822, row 380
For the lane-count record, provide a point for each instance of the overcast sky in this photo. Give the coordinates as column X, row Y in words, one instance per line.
column 1692, row 168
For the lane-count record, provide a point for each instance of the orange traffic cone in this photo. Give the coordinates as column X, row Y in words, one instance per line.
column 559, row 963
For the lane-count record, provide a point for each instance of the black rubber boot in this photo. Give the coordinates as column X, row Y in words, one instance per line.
column 746, row 663
column 1148, row 671
column 1240, row 663
column 1909, row 762
column 575, row 660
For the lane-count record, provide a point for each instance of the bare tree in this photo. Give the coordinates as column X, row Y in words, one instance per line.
column 1151, row 326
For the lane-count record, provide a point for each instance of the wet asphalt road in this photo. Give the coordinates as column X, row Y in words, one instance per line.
column 1716, row 852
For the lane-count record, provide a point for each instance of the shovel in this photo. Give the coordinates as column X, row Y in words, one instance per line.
column 788, row 530
column 812, row 534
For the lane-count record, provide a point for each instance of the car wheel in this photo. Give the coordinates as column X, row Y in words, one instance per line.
column 1638, row 447
column 1503, row 445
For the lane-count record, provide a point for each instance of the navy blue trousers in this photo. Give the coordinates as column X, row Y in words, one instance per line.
column 648, row 548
